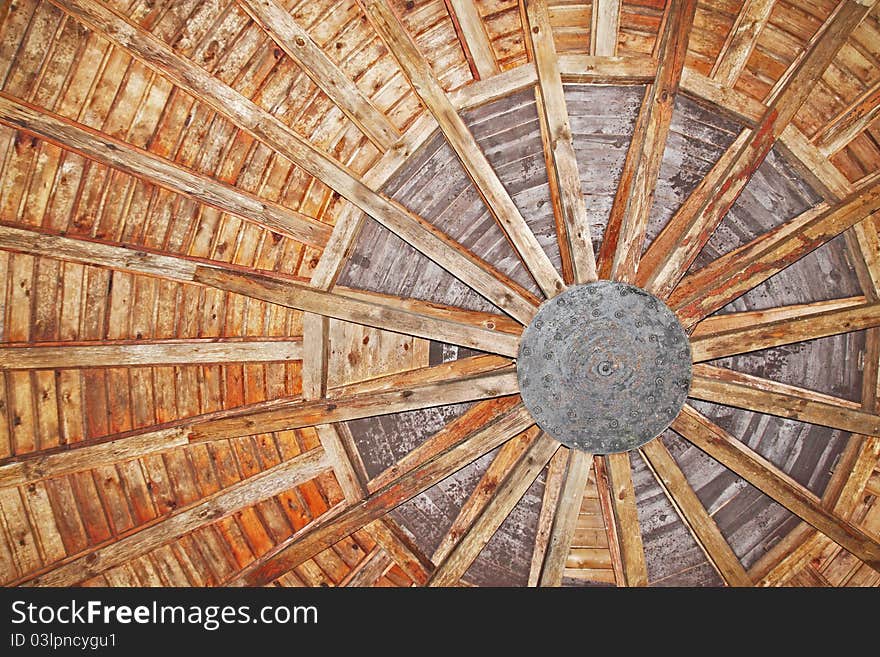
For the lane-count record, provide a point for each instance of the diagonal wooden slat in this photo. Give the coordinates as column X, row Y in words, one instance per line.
column 624, row 237
column 268, row 129
column 729, row 388
column 605, row 22
column 474, row 39
column 387, row 533
column 573, row 228
column 741, row 41
column 499, row 203
column 632, row 551
column 851, row 122
column 99, row 558
column 693, row 513
column 369, row 570
column 498, row 507
column 714, row 286
column 299, row 45
column 673, row 251
column 785, row 331
column 762, row 474
column 159, row 352
column 135, row 161
column 464, row 443
column 552, row 490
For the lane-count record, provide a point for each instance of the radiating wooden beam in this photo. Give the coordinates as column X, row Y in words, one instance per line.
column 474, row 39
column 268, row 129
column 693, row 513
column 714, row 286
column 851, row 122
column 553, row 483
column 605, row 21
column 785, row 331
column 762, row 474
column 606, row 504
column 67, row 355
column 624, row 237
column 138, row 162
column 741, row 41
column 499, row 203
column 673, row 251
column 382, row 316
column 569, row 206
column 93, row 561
column 509, row 492
column 299, row 46
column 387, row 533
column 632, row 551
column 721, row 386
column 469, row 443
column 369, row 570
column 565, row 518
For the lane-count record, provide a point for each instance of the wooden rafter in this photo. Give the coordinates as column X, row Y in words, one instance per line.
column 268, row 129
column 673, row 251
column 299, row 45
column 95, row 560
column 369, row 569
column 499, row 203
column 852, row 121
column 473, row 37
column 573, row 227
column 606, row 504
column 632, row 551
column 808, row 326
column 115, row 153
column 624, row 237
column 510, row 490
column 605, row 22
column 463, row 443
column 693, row 513
column 741, row 40
column 553, row 483
column 387, row 533
column 762, row 474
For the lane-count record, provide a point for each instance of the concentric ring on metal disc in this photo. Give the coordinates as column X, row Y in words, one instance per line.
column 604, row 367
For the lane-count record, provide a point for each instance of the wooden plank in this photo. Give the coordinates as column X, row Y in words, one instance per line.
column 349, row 480
column 566, row 193
column 741, row 41
column 505, row 498
column 565, row 518
column 474, row 38
column 693, row 513
column 494, row 88
column 762, row 474
column 673, row 251
column 163, row 352
column 849, row 123
column 587, row 69
column 316, row 355
column 606, row 504
column 808, row 326
column 402, row 551
column 738, row 105
column 555, row 478
column 465, row 445
column 370, row 569
column 296, row 42
column 384, row 316
column 605, row 22
column 623, row 498
column 624, row 238
column 499, row 203
column 735, row 273
column 270, row 130
column 719, row 323
column 142, row 540
column 138, row 162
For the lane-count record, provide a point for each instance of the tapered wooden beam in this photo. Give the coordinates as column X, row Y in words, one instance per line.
column 387, row 317
column 565, row 518
column 499, row 203
column 678, row 244
column 67, row 355
column 299, row 46
column 605, row 22
column 722, row 386
column 762, row 474
column 606, row 504
column 369, row 570
column 473, row 37
column 785, row 331
column 553, row 483
column 505, row 498
column 134, row 161
column 693, row 513
column 567, row 197
column 469, row 443
column 851, row 122
column 741, row 40
column 624, row 237
column 632, row 551
column 726, row 278
column 265, row 127
column 129, row 545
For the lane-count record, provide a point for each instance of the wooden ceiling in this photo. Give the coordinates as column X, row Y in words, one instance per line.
column 192, row 348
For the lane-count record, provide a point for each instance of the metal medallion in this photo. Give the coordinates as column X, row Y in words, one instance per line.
column 604, row 367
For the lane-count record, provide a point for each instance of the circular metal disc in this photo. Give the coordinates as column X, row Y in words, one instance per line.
column 604, row 367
